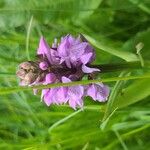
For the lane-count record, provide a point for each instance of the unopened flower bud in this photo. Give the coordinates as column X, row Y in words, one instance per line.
column 29, row 65
column 28, row 72
column 21, row 73
column 30, row 78
column 43, row 65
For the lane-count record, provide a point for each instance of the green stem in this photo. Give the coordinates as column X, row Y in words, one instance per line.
column 8, row 90
column 85, row 82
column 121, row 66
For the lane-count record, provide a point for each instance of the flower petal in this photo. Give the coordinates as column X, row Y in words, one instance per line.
column 65, row 79
column 91, row 91
column 98, row 92
column 60, row 95
column 86, row 69
column 86, row 58
column 50, row 78
column 63, row 48
column 43, row 65
column 72, row 104
column 48, row 97
column 75, row 92
column 78, row 50
column 44, row 49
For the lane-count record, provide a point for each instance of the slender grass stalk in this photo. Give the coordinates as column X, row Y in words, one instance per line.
column 121, row 140
column 63, row 120
column 113, row 95
column 28, row 37
column 125, row 136
column 83, row 82
column 105, row 122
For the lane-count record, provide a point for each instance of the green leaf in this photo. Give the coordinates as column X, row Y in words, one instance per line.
column 135, row 92
column 128, row 56
column 15, row 13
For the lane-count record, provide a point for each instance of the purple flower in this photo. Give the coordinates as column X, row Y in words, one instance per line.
column 98, row 92
column 75, row 94
column 54, row 96
column 64, row 62
column 47, row 53
column 75, row 52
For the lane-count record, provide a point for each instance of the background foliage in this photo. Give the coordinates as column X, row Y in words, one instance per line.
column 114, row 27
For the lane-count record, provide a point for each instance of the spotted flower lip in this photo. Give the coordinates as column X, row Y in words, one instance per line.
column 66, row 61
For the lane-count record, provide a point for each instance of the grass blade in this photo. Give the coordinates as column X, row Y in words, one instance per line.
column 28, row 37
column 63, row 120
column 135, row 92
column 128, row 56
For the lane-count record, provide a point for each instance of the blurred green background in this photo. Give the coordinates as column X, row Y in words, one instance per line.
column 28, row 124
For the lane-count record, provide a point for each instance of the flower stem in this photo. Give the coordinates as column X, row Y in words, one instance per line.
column 121, row 66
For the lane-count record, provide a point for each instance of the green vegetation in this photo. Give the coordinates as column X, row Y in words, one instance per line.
column 114, row 28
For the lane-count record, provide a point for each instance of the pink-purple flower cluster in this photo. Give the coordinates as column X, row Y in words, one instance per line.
column 64, row 62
